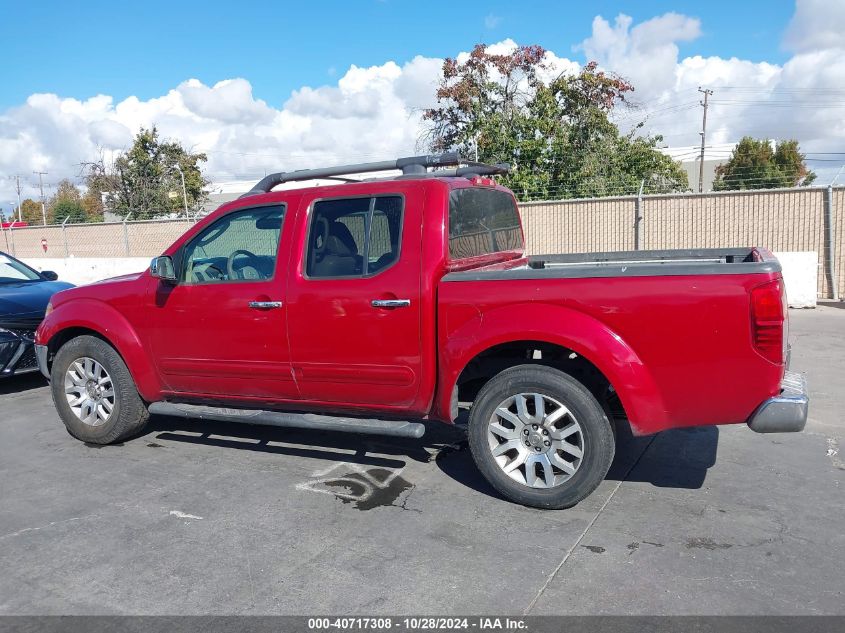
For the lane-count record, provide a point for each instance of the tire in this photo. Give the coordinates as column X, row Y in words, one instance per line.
column 581, row 426
column 127, row 414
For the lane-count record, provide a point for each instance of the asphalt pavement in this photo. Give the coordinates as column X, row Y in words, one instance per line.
column 231, row 519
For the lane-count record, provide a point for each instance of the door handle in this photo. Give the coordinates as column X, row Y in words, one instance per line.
column 390, row 303
column 265, row 305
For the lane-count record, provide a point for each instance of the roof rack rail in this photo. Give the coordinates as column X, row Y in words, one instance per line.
column 410, row 166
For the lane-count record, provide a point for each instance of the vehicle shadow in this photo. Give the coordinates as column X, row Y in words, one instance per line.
column 679, row 458
column 368, row 450
column 673, row 459
column 24, row 382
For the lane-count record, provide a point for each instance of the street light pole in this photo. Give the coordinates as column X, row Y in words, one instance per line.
column 184, row 191
column 41, row 185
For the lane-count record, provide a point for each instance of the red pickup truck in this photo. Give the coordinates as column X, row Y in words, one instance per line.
column 369, row 306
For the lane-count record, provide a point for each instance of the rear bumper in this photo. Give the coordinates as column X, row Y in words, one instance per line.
column 41, row 358
column 784, row 413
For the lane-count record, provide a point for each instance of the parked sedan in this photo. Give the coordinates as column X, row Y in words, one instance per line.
column 24, row 294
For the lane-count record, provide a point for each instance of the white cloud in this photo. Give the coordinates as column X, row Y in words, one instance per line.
column 375, row 112
column 369, row 113
column 793, row 100
column 646, row 54
column 817, row 24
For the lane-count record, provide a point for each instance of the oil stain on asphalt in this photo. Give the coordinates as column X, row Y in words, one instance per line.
column 363, row 489
column 357, row 489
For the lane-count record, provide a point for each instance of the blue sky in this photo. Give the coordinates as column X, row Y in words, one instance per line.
column 145, row 48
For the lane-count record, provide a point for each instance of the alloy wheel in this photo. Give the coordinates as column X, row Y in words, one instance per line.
column 535, row 440
column 89, row 391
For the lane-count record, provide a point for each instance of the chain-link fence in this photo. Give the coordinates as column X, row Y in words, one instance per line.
column 146, row 238
column 799, row 219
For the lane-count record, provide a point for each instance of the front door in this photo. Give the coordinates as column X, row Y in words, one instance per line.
column 354, row 301
column 221, row 329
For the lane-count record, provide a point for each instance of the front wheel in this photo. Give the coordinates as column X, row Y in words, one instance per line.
column 94, row 392
column 540, row 437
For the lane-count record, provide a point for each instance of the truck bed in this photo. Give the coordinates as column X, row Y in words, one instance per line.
column 709, row 261
column 680, row 318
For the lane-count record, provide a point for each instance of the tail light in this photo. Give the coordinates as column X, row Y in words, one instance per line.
column 769, row 321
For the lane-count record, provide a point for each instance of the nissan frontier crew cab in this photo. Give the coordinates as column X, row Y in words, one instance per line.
column 369, row 306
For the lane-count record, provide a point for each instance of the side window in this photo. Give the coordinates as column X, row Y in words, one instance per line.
column 353, row 237
column 385, row 233
column 240, row 246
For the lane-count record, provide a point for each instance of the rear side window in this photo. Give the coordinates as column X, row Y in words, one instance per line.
column 482, row 221
column 353, row 237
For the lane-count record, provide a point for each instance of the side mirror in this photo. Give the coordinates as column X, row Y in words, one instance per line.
column 162, row 268
column 49, row 275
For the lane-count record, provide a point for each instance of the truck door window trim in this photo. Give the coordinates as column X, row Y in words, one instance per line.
column 367, row 237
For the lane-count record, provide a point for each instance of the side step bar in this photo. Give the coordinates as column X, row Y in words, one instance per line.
column 313, row 421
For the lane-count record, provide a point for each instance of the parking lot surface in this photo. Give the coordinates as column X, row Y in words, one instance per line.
column 195, row 518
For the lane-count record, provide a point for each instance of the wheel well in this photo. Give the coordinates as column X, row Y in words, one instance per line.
column 500, row 357
column 63, row 336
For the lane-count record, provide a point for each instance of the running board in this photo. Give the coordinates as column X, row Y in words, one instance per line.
column 312, row 421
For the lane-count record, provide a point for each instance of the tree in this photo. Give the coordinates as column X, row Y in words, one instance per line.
column 556, row 133
column 755, row 164
column 31, row 211
column 70, row 210
column 142, row 179
column 68, row 202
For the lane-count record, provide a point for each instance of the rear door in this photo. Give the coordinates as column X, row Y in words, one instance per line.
column 354, row 300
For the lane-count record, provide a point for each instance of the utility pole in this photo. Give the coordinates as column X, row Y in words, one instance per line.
column 18, row 189
column 706, row 93
column 41, row 185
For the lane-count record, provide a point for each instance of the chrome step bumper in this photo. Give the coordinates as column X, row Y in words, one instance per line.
column 784, row 413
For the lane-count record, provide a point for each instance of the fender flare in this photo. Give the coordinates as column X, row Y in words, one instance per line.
column 557, row 325
column 112, row 326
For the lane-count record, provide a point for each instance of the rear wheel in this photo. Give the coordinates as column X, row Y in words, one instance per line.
column 540, row 437
column 94, row 392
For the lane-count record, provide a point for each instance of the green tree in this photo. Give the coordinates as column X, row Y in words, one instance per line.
column 755, row 164
column 556, row 133
column 142, row 179
column 70, row 210
column 64, row 203
column 69, row 202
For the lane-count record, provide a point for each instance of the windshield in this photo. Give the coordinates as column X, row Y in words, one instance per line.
column 12, row 271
